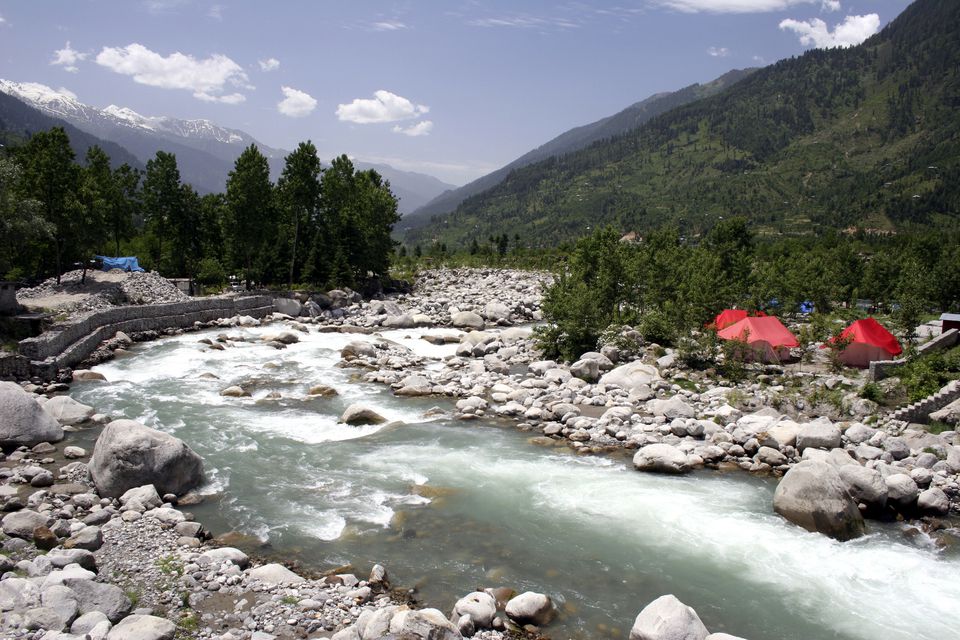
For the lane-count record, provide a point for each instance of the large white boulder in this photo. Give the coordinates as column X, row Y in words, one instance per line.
column 23, row 421
column 666, row 618
column 467, row 320
column 813, row 495
column 129, row 455
column 631, row 376
column 531, row 608
column 137, row 627
column 661, row 458
column 67, row 411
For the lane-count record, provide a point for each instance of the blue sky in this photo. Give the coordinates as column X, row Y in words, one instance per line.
column 450, row 88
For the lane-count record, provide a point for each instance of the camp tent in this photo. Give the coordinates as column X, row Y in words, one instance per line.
column 728, row 317
column 769, row 340
column 869, row 341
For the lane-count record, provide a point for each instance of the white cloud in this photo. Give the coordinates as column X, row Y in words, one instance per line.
column 718, row 52
column 741, row 6
column 852, row 31
column 2, row 20
column 388, row 25
column 68, row 57
column 383, row 107
column 215, row 12
column 67, row 92
column 524, row 22
column 206, row 78
column 270, row 64
column 422, row 128
column 295, row 103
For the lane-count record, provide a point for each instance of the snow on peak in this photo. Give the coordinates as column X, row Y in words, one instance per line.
column 61, row 101
column 131, row 117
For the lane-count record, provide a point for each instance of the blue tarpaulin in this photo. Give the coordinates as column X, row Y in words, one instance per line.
column 127, row 264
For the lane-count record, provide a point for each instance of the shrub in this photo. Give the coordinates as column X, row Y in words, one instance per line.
column 872, row 391
column 211, row 273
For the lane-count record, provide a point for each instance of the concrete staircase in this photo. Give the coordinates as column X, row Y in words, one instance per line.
column 920, row 410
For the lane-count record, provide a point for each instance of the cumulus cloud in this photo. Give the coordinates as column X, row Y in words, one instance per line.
column 741, row 6
column 421, row 128
column 270, row 64
column 68, row 57
column 388, row 25
column 383, row 107
column 852, row 31
column 295, row 103
column 718, row 52
column 206, row 78
column 66, row 92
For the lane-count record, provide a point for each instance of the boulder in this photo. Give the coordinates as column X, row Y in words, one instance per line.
column 235, row 391
column 88, row 538
column 402, row 321
column 85, row 623
column 866, row 486
column 97, row 596
column 67, row 411
column 23, row 421
column 902, row 491
column 771, row 456
column 666, row 618
column 357, row 414
column 495, row 311
column 467, row 320
column 287, row 337
column 80, row 375
column 322, row 390
column 588, row 370
column 18, row 594
column 357, row 349
column 813, row 495
column 934, row 501
column 661, row 458
column 274, row 573
column 146, row 497
column 288, row 306
column 62, row 600
column 128, row 455
column 138, row 627
column 671, row 408
column 631, row 376
column 950, row 414
column 480, row 606
column 21, row 524
column 226, row 554
column 818, row 434
column 531, row 608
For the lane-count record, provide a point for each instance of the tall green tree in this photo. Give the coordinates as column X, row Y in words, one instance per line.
column 22, row 224
column 52, row 177
column 299, row 194
column 162, row 200
column 125, row 203
column 249, row 210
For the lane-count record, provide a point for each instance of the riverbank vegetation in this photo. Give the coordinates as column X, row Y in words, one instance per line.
column 314, row 226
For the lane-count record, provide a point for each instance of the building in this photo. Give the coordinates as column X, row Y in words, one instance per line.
column 949, row 321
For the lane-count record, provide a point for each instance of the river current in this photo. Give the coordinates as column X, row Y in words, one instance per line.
column 449, row 506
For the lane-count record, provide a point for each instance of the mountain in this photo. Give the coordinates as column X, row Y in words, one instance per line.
column 19, row 121
column 205, row 151
column 575, row 139
column 867, row 136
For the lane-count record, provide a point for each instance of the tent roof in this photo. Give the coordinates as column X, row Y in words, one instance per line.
column 869, row 331
column 767, row 329
column 728, row 317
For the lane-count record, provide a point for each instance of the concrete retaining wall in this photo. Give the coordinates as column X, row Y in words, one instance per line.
column 66, row 345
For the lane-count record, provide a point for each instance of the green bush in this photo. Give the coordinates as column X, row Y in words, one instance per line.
column 211, row 273
column 657, row 326
column 872, row 391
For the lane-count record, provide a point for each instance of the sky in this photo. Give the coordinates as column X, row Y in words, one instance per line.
column 451, row 88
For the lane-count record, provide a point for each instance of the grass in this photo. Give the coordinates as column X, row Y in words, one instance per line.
column 289, row 600
column 170, row 566
column 134, row 596
column 936, row 427
column 190, row 622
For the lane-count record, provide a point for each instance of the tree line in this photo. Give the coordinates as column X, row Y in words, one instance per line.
column 315, row 226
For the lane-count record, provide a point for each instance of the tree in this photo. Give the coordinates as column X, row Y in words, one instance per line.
column 21, row 222
column 249, row 212
column 162, row 199
column 126, row 202
column 299, row 193
column 51, row 177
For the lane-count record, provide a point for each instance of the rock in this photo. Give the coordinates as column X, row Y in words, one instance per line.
column 495, row 311
column 403, row 321
column 85, row 623
column 785, row 433
column 62, row 600
column 21, row 524
column 128, row 455
column 531, row 608
column 671, row 408
column 479, row 606
column 934, row 501
column 44, row 539
column 64, row 557
column 88, row 538
column 235, row 391
column 18, row 594
column 80, row 375
column 44, row 618
column 287, row 337
column 72, row 453
column 226, row 554
column 865, row 485
column 146, row 497
column 357, row 349
column 274, row 573
column 812, row 494
column 723, row 636
column 399, row 621
column 950, row 414
column 902, row 491
column 357, row 414
column 588, row 370
column 23, row 421
column 897, row 447
column 771, row 456
column 631, row 376
column 67, row 411
column 96, row 596
column 661, row 458
column 818, row 435
column 666, row 618
column 143, row 628
column 467, row 320
column 288, row 306
column 323, row 391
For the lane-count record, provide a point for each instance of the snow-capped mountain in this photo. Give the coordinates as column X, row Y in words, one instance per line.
column 205, row 151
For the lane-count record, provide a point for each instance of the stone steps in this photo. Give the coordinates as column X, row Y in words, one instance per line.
column 920, row 410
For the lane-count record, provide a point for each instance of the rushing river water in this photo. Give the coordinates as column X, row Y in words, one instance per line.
column 449, row 506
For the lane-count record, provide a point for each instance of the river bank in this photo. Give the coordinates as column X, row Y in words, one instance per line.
column 503, row 387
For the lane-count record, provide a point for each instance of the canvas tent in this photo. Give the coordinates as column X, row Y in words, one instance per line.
column 728, row 317
column 869, row 341
column 769, row 340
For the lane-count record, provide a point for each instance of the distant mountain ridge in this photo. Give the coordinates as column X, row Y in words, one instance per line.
column 865, row 137
column 205, row 150
column 576, row 139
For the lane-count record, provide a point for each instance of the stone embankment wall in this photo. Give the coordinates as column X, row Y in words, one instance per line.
column 881, row 369
column 66, row 345
column 920, row 411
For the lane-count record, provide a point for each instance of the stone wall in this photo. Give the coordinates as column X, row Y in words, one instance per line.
column 880, row 369
column 66, row 345
column 14, row 367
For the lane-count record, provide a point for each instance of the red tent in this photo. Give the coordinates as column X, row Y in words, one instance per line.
column 869, row 341
column 769, row 339
column 728, row 317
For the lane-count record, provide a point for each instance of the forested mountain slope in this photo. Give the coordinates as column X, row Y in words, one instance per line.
column 866, row 136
